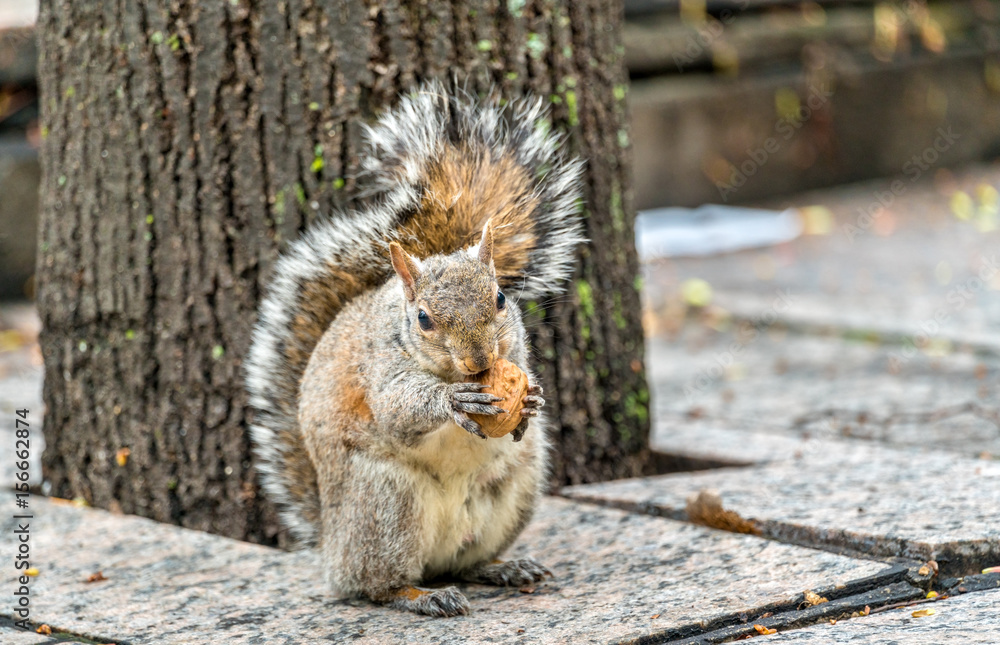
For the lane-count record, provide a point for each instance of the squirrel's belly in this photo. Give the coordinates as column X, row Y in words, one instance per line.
column 469, row 492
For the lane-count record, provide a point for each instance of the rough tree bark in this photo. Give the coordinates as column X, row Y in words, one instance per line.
column 186, row 142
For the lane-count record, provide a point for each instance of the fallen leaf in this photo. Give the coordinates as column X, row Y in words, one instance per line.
column 706, row 508
column 867, row 611
column 520, row 631
column 44, row 629
column 33, row 571
column 655, row 616
column 931, row 594
column 527, row 589
column 813, row 598
column 764, row 630
column 121, row 457
column 991, row 570
column 924, row 570
column 920, row 613
column 96, row 577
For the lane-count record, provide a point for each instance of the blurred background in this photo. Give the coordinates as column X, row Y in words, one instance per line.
column 777, row 96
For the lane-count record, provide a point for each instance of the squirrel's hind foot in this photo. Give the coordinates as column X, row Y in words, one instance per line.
column 512, row 573
column 431, row 602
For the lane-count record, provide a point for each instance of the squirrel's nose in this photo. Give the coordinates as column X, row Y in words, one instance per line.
column 476, row 363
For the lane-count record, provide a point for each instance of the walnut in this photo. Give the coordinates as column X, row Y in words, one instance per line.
column 505, row 380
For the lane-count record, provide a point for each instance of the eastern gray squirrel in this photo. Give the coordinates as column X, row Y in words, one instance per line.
column 371, row 326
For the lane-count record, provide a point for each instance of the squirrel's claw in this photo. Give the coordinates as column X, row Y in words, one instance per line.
column 476, row 397
column 536, row 390
column 533, row 402
column 468, row 424
column 478, row 408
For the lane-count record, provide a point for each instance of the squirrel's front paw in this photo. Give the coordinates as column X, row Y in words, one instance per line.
column 533, row 402
column 468, row 398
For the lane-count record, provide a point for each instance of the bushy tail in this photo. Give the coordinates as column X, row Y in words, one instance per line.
column 440, row 165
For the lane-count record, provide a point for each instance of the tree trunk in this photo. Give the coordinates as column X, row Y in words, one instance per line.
column 186, row 142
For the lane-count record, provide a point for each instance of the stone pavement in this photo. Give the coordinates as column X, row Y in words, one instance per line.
column 814, row 464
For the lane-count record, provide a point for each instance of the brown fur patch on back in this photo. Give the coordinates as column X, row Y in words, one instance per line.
column 464, row 189
column 321, row 302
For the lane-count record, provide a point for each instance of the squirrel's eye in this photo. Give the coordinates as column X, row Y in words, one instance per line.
column 501, row 300
column 424, row 320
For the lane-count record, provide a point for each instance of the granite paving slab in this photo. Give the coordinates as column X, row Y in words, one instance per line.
column 845, row 495
column 925, row 267
column 966, row 619
column 618, row 576
column 823, row 387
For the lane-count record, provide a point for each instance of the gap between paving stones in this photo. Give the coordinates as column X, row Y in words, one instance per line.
column 58, row 635
column 898, row 595
column 776, row 533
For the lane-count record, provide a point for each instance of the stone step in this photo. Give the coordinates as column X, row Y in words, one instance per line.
column 792, row 388
column 848, row 496
column 618, row 577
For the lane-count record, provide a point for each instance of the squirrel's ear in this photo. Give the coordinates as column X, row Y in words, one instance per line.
column 485, row 251
column 406, row 268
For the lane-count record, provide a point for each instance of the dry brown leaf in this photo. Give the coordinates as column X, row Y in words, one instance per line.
column 44, row 629
column 764, row 630
column 920, row 613
column 813, row 598
column 924, row 570
column 121, row 457
column 96, row 577
column 705, row 508
column 655, row 616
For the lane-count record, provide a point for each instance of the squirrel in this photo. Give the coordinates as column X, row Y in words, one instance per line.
column 371, row 327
